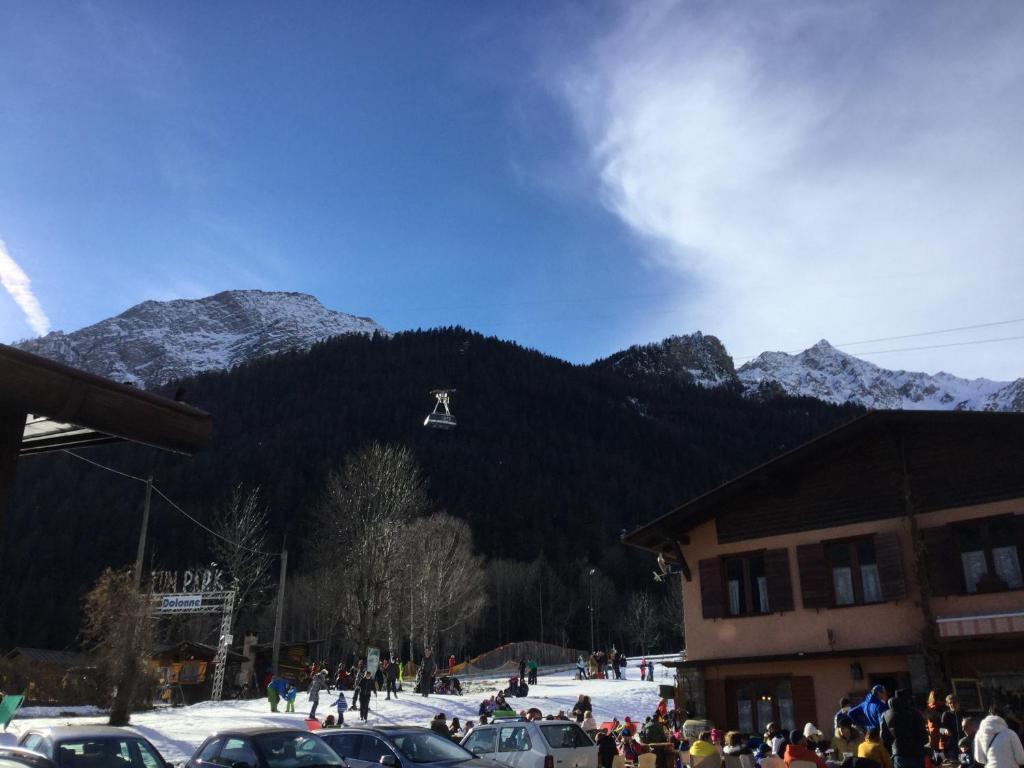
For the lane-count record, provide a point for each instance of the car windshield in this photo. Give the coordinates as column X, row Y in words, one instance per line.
column 106, row 753
column 429, row 747
column 294, row 749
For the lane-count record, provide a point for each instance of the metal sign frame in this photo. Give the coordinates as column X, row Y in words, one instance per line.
column 193, row 603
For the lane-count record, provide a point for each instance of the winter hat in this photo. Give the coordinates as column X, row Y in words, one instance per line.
column 811, row 731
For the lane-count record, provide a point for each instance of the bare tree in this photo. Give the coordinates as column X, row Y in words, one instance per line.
column 242, row 548
column 642, row 621
column 364, row 510
column 447, row 576
column 117, row 631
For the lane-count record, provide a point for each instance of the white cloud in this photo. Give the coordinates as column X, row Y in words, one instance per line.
column 846, row 170
column 17, row 284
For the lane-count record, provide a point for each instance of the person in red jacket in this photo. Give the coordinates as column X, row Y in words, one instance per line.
column 451, row 665
column 797, row 750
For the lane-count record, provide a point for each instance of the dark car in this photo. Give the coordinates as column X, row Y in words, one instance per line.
column 399, row 747
column 92, row 746
column 18, row 757
column 264, row 748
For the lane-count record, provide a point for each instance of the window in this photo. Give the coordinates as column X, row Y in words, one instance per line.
column 989, row 558
column 346, row 745
column 429, row 747
column 142, row 753
column 481, row 741
column 373, row 749
column 208, row 752
column 746, row 585
column 565, row 736
column 237, row 750
column 854, row 569
column 759, row 702
column 291, row 749
column 513, row 739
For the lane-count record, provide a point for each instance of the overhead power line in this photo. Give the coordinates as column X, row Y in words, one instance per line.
column 173, row 505
column 918, row 335
column 940, row 346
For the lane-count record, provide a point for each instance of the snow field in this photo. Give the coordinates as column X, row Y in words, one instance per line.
column 177, row 732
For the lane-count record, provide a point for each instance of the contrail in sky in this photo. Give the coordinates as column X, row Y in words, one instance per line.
column 16, row 283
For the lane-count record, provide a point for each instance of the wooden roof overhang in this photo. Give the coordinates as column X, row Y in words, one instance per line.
column 47, row 406
column 665, row 533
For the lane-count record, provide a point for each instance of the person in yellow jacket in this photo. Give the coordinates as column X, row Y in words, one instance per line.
column 873, row 749
column 703, row 747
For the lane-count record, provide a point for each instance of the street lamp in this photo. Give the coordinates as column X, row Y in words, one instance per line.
column 591, row 575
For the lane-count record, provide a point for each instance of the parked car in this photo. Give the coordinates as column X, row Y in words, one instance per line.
column 93, row 746
column 399, row 747
column 538, row 744
column 264, row 748
column 18, row 757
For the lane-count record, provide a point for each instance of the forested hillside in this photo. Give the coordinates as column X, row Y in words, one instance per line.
column 549, row 463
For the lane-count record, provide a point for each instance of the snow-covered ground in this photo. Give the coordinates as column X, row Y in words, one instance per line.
column 178, row 731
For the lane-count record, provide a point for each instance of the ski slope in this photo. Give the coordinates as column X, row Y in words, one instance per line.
column 176, row 732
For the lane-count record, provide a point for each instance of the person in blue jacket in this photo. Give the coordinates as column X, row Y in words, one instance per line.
column 276, row 691
column 868, row 714
column 289, row 699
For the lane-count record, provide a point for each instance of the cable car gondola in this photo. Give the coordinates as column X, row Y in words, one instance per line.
column 441, row 417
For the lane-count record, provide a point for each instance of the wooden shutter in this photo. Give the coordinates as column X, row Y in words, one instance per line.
column 942, row 560
column 889, row 556
column 718, row 711
column 805, row 707
column 712, row 592
column 780, row 587
column 815, row 576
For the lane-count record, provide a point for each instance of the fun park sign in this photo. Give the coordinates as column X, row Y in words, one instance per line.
column 189, row 580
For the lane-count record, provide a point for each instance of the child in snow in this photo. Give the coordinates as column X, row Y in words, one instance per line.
column 341, row 705
column 289, row 699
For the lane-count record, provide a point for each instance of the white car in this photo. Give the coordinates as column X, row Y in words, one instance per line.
column 539, row 744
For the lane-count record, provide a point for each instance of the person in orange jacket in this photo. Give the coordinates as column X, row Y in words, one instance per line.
column 797, row 750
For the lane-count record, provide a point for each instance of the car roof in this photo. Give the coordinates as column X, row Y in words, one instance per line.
column 372, row 729
column 257, row 730
column 85, row 732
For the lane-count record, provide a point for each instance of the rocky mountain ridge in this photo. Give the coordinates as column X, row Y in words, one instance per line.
column 156, row 342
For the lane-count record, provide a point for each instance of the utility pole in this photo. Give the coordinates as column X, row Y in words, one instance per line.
column 592, row 646
column 280, row 605
column 142, row 533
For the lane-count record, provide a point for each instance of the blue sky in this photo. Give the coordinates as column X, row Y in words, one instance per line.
column 576, row 177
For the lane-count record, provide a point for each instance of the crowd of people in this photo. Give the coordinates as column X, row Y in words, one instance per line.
column 878, row 732
column 363, row 682
column 609, row 665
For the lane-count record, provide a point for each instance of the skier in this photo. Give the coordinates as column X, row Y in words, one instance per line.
column 451, row 665
column 390, row 676
column 427, row 669
column 365, row 687
column 643, row 668
column 314, row 691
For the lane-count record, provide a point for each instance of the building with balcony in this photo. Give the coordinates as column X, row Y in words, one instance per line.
column 887, row 551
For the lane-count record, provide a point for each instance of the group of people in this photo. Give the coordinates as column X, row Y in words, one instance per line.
column 609, row 665
column 881, row 732
column 363, row 682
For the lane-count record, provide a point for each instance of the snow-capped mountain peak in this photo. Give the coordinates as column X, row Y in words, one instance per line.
column 155, row 342
column 829, row 374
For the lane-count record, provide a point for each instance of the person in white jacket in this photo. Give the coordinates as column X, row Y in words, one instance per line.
column 996, row 745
